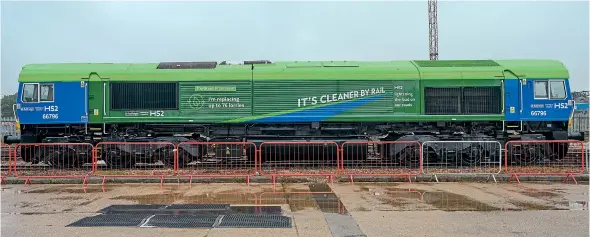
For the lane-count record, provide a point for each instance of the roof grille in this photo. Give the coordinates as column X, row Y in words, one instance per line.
column 187, row 65
column 257, row 62
column 456, row 63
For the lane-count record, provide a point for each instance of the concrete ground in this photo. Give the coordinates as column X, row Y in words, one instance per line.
column 360, row 209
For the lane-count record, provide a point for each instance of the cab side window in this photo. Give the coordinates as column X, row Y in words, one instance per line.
column 30, row 93
column 557, row 89
column 46, row 92
column 541, row 90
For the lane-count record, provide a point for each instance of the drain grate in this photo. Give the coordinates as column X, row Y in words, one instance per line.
column 127, row 208
column 217, row 209
column 273, row 210
column 203, row 207
column 254, row 221
column 188, row 216
column 110, row 220
column 181, row 221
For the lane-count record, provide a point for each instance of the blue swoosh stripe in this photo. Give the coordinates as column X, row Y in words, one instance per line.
column 317, row 114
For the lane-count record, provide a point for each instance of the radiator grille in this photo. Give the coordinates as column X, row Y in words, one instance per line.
column 442, row 100
column 187, row 65
column 128, row 96
column 464, row 100
column 482, row 100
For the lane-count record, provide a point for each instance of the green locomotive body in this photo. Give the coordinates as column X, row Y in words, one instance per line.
column 293, row 92
column 263, row 101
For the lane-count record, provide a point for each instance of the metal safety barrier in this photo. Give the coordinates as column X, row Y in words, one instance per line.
column 217, row 159
column 462, row 157
column 291, row 158
column 543, row 158
column 134, row 159
column 395, row 158
column 314, row 158
column 6, row 161
column 53, row 160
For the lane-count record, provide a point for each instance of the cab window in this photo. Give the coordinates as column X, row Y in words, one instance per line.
column 557, row 89
column 541, row 90
column 46, row 93
column 30, row 93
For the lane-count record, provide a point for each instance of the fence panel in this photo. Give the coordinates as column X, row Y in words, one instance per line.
column 314, row 158
column 8, row 127
column 217, row 159
column 580, row 122
column 53, row 160
column 544, row 158
column 462, row 157
column 388, row 158
column 6, row 160
column 134, row 159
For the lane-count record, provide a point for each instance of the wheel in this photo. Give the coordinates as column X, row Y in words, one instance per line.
column 409, row 156
column 557, row 151
column 184, row 157
column 525, row 154
column 472, row 155
column 165, row 155
column 60, row 159
column 116, row 158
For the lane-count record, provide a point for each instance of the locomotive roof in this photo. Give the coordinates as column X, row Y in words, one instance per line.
column 301, row 70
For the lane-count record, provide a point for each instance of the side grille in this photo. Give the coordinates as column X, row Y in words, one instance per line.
column 144, row 96
column 464, row 100
column 442, row 100
column 482, row 100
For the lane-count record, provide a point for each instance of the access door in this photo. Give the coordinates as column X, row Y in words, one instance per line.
column 96, row 99
column 512, row 94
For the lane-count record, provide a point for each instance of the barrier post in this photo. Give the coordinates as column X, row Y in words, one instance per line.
column 462, row 158
column 544, row 158
column 134, row 159
column 381, row 158
column 301, row 159
column 217, row 159
column 54, row 160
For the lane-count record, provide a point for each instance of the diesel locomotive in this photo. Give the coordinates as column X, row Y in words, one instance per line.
column 257, row 101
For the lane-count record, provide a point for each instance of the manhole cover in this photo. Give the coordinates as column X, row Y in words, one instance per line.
column 255, row 221
column 110, row 220
column 181, row 221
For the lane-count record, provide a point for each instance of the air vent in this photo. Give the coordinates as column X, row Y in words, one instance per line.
column 464, row 100
column 456, row 63
column 144, row 96
column 187, row 65
column 442, row 100
column 257, row 62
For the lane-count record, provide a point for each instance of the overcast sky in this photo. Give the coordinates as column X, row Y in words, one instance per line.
column 54, row 32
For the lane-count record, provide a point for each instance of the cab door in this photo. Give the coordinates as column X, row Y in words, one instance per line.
column 96, row 99
column 512, row 94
